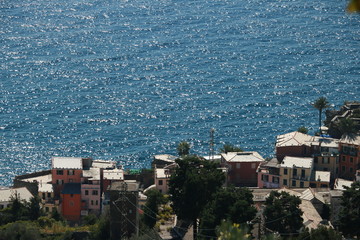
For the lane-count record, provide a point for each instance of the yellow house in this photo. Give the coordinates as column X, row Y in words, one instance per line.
column 295, row 172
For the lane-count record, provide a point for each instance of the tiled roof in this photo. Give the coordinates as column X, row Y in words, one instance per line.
column 302, row 162
column 294, row 139
column 71, row 188
column 66, row 163
column 242, row 157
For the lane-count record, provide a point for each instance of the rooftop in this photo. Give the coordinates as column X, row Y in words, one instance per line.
column 301, row 162
column 104, row 164
column 294, row 139
column 322, row 176
column 114, row 174
column 92, row 173
column 340, row 184
column 7, row 194
column 242, row 157
column 165, row 157
column 66, row 163
column 124, row 186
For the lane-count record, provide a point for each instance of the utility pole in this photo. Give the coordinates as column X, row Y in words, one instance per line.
column 211, row 152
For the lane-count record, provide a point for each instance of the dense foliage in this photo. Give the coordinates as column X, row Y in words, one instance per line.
column 231, row 204
column 282, row 213
column 192, row 185
column 349, row 216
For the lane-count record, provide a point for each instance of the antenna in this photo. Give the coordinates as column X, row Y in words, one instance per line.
column 211, row 153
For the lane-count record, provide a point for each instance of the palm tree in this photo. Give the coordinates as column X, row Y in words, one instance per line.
column 320, row 104
column 183, row 148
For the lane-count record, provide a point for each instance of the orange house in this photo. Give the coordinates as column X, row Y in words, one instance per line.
column 71, row 201
column 65, row 170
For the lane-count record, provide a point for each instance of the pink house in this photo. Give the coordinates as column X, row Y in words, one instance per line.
column 90, row 191
column 162, row 177
column 269, row 174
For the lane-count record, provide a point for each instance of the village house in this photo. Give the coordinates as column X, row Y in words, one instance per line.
column 327, row 158
column 241, row 167
column 269, row 174
column 162, row 177
column 294, row 144
column 349, row 156
column 296, row 172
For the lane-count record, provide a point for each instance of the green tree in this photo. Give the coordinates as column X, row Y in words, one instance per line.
column 231, row 204
column 34, row 208
column 192, row 185
column 321, row 233
column 183, row 148
column 20, row 230
column 303, row 130
column 230, row 148
column 321, row 104
column 151, row 208
column 349, row 218
column 282, row 213
column 347, row 126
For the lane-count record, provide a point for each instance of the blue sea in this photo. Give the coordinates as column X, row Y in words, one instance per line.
column 124, row 80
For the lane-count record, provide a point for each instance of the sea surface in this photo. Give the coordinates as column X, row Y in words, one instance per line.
column 123, row 80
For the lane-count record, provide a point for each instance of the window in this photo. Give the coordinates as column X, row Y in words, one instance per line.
column 70, row 172
column 302, row 173
column 71, row 195
column 59, row 181
column 265, row 178
column 46, row 209
column 294, row 172
column 160, row 182
column 86, row 192
column 96, row 202
column 71, row 180
column 253, row 165
column 1, row 206
column 301, row 184
column 337, row 170
column 71, row 203
column 325, row 160
column 343, row 168
column 49, row 195
column 275, row 180
column 59, row 172
column 351, row 169
column 343, row 158
column 285, row 182
column 285, row 171
column 293, row 183
column 43, row 195
column 94, row 192
column 238, row 165
column 351, row 159
column 92, row 202
column 315, row 159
